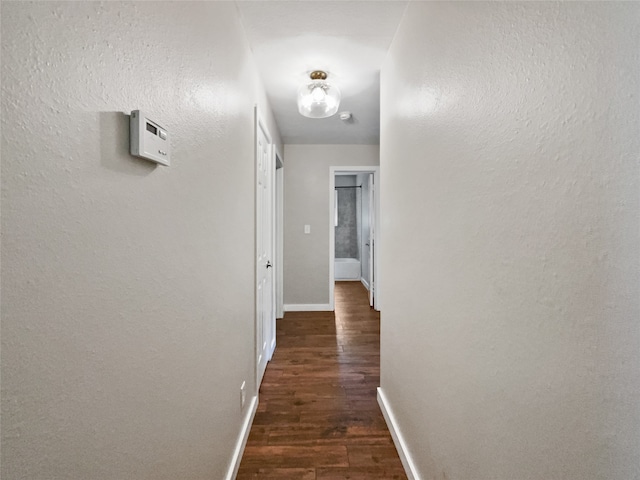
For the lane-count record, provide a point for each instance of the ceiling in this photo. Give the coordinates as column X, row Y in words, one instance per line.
column 347, row 39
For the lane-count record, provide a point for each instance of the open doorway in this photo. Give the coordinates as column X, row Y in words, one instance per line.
column 354, row 207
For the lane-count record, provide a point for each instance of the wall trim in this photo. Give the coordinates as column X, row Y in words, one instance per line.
column 365, row 283
column 232, row 472
column 307, row 307
column 398, row 440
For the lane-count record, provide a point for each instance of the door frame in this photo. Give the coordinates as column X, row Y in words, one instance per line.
column 279, row 232
column 375, row 170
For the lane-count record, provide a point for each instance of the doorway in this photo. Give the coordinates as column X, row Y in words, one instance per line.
column 354, row 212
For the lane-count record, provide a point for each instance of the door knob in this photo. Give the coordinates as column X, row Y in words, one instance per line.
column 268, row 264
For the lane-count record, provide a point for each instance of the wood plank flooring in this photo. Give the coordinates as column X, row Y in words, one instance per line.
column 318, row 417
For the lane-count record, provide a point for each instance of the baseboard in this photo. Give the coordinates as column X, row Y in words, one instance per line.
column 365, row 283
column 242, row 440
column 396, row 435
column 310, row 307
column 346, row 279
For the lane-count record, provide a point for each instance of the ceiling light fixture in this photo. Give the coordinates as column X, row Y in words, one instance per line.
column 318, row 99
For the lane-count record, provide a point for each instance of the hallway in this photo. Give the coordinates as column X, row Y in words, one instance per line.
column 318, row 417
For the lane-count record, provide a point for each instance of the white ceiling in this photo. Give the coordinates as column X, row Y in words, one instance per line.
column 347, row 39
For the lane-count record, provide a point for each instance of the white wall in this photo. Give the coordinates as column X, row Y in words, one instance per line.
column 510, row 187
column 128, row 288
column 306, row 202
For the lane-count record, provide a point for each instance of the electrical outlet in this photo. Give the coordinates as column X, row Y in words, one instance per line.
column 243, row 395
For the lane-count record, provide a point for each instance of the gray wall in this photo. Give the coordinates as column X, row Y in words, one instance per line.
column 346, row 233
column 306, row 202
column 127, row 288
column 510, row 317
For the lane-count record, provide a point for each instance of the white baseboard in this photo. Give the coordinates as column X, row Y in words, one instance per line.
column 310, row 307
column 398, row 440
column 232, row 472
column 365, row 283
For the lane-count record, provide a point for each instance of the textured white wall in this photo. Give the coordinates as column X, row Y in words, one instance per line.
column 127, row 302
column 511, row 316
column 306, row 202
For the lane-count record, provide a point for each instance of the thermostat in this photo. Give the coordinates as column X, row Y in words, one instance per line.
column 148, row 139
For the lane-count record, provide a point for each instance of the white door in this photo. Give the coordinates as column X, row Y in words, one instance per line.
column 265, row 311
column 372, row 243
column 274, row 270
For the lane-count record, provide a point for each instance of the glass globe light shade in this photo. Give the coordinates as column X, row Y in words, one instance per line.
column 318, row 99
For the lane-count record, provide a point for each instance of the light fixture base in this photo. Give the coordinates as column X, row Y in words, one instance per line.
column 318, row 75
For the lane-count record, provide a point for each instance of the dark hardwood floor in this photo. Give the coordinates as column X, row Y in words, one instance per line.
column 318, row 417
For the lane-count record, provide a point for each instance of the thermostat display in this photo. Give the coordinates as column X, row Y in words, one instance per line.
column 148, row 139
